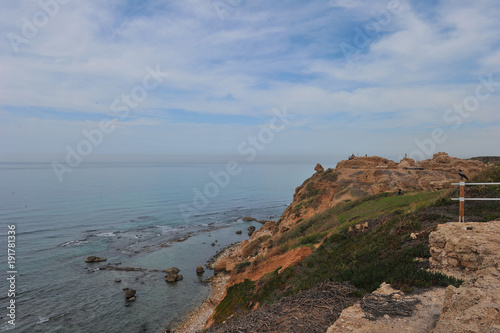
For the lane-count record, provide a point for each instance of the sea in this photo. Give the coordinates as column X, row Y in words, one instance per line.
column 147, row 216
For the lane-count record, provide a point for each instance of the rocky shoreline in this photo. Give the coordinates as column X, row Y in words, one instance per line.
column 196, row 320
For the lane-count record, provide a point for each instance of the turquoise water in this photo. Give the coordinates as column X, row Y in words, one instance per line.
column 132, row 214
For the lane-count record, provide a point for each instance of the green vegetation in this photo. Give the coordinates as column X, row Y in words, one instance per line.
column 242, row 265
column 238, row 297
column 330, row 176
column 366, row 257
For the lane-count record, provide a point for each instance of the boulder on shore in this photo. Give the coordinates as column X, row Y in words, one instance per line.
column 95, row 259
column 251, row 230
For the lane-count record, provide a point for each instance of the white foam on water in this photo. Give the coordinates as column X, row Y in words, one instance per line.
column 106, row 234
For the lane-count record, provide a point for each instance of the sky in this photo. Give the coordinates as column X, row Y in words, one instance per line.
column 281, row 81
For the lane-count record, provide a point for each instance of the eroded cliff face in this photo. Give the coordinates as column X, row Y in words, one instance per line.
column 362, row 176
column 350, row 180
column 471, row 252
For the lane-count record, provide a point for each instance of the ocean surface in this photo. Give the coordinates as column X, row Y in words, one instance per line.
column 150, row 216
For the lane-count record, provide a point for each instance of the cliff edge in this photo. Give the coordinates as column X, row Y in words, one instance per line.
column 367, row 221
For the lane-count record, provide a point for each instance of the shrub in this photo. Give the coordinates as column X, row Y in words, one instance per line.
column 238, row 298
column 242, row 265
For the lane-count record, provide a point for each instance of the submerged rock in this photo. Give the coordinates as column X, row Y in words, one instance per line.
column 95, row 259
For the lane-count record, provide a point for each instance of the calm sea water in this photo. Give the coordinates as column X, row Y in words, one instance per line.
column 129, row 214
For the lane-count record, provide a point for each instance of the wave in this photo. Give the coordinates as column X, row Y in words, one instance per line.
column 74, row 242
column 106, row 234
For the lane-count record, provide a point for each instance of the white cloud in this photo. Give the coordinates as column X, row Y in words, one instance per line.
column 263, row 55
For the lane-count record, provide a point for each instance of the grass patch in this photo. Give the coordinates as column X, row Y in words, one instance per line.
column 310, row 239
column 238, row 299
column 242, row 265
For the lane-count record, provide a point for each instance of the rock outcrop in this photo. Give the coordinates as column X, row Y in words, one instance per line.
column 423, row 318
column 251, row 230
column 362, row 176
column 200, row 270
column 469, row 251
column 319, row 168
column 173, row 275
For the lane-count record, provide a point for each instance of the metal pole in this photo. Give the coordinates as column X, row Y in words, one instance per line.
column 461, row 217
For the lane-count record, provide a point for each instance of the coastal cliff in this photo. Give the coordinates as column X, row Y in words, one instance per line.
column 347, row 231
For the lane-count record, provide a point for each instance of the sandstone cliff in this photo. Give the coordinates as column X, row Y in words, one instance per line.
column 362, row 176
column 470, row 251
column 351, row 180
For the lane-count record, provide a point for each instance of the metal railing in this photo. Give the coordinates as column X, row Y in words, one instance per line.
column 461, row 213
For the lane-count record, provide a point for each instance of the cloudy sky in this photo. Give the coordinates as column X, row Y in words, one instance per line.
column 366, row 77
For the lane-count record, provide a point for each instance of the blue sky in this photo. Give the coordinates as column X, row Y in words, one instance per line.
column 365, row 77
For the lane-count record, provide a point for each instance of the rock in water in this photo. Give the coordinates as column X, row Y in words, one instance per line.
column 172, row 270
column 172, row 277
column 95, row 259
column 129, row 293
column 199, row 270
column 251, row 230
column 239, row 232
